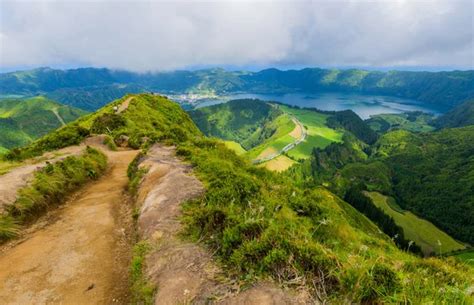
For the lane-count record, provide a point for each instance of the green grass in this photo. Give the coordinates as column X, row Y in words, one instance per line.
column 421, row 231
column 141, row 289
column 282, row 125
column 412, row 121
column 259, row 223
column 232, row 145
column 319, row 135
column 6, row 166
column 467, row 257
column 50, row 186
column 23, row 120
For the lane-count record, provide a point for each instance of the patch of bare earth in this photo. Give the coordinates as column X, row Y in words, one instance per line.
column 81, row 255
column 21, row 176
column 184, row 272
column 124, row 105
column 297, row 132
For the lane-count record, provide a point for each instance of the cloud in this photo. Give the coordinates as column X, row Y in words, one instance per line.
column 158, row 35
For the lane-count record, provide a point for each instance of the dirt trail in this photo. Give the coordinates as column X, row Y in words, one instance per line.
column 81, row 255
column 124, row 105
column 184, row 272
column 20, row 176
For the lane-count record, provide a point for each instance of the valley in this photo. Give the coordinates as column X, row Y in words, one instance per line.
column 195, row 207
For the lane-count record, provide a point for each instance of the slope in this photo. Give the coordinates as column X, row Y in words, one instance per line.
column 462, row 115
column 257, row 223
column 24, row 120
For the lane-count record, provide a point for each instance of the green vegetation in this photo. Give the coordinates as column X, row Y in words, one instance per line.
column 466, row 256
column 91, row 88
column 422, row 232
column 243, row 121
column 319, row 134
column 416, row 121
column 148, row 119
column 142, row 290
column 351, row 122
column 282, row 126
column 23, row 120
column 260, row 223
column 462, row 115
column 50, row 186
column 236, row 147
column 429, row 174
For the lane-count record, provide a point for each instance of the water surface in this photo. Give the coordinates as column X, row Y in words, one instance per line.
column 363, row 105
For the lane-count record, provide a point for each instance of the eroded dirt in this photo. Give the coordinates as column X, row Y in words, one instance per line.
column 184, row 272
column 21, row 176
column 82, row 255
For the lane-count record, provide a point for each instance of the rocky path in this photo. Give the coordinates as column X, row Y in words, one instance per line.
column 81, row 256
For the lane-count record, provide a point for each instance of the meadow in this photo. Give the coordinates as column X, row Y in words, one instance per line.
column 422, row 232
column 319, row 134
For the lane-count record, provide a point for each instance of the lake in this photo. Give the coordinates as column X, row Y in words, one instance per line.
column 363, row 105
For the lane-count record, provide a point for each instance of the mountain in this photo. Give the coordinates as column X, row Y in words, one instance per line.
column 91, row 88
column 23, row 120
column 462, row 115
column 257, row 223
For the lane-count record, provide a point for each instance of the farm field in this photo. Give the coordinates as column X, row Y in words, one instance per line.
column 279, row 164
column 319, row 135
column 284, row 125
column 422, row 232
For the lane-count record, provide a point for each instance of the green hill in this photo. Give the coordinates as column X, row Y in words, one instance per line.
column 260, row 224
column 429, row 174
column 415, row 121
column 23, row 120
column 462, row 115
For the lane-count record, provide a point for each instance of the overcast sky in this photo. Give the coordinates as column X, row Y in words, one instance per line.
column 158, row 35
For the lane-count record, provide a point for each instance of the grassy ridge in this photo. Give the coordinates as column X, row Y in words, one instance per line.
column 50, row 186
column 422, row 232
column 23, row 120
column 260, row 224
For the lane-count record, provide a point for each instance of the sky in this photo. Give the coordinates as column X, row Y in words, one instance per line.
column 146, row 36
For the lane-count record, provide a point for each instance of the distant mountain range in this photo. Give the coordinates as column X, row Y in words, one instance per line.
column 91, row 88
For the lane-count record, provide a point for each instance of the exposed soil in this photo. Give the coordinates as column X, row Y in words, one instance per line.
column 81, row 255
column 20, row 176
column 183, row 271
column 124, row 105
column 298, row 131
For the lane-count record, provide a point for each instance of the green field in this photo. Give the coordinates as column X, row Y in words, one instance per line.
column 319, row 135
column 283, row 125
column 422, row 232
column 467, row 257
column 239, row 150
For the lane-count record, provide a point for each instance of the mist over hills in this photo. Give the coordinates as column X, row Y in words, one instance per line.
column 91, row 88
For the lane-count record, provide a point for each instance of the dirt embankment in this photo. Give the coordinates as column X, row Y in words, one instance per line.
column 21, row 176
column 80, row 255
column 184, row 272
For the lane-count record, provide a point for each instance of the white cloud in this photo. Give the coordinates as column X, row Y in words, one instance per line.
column 158, row 35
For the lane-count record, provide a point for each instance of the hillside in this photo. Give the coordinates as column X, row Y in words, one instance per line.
column 258, row 224
column 242, row 121
column 429, row 174
column 412, row 121
column 90, row 88
column 24, row 120
column 462, row 115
